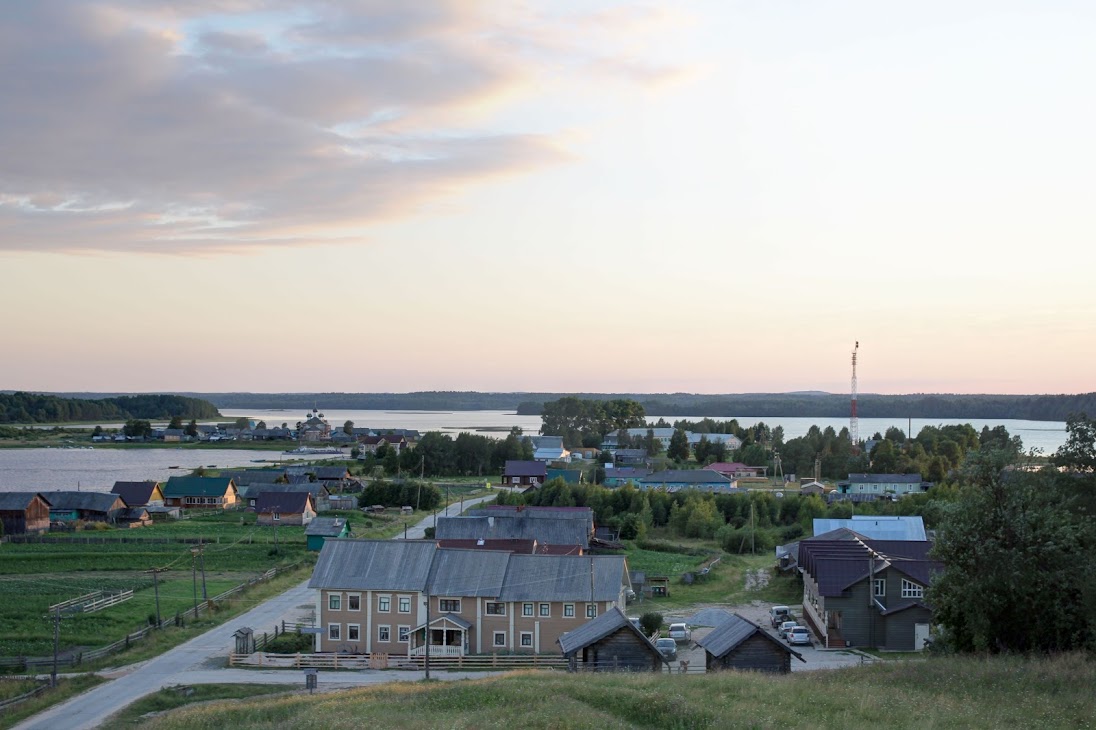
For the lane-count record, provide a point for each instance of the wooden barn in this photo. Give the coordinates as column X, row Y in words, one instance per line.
column 71, row 506
column 739, row 643
column 23, row 512
column 285, row 508
column 610, row 643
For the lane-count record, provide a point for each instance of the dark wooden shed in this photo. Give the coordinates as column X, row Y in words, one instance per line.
column 739, row 643
column 23, row 512
column 610, row 643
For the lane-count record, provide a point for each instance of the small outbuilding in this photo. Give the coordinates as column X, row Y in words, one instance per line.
column 322, row 528
column 285, row 508
column 739, row 643
column 610, row 643
column 23, row 512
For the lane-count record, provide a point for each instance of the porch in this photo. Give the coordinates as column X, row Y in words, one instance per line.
column 447, row 635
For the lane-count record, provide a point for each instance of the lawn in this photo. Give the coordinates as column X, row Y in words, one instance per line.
column 66, row 687
column 944, row 692
column 170, row 698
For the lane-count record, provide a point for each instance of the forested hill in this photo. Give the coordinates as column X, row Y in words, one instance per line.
column 827, row 405
column 39, row 408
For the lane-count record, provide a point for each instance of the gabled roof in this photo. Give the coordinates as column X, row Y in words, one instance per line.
column 510, row 546
column 885, row 478
column 395, row 565
column 196, row 487
column 730, row 634
column 284, row 502
column 316, row 489
column 253, row 476
column 626, row 473
column 685, row 476
column 134, row 493
column 837, row 564
column 525, row 468
column 85, row 501
column 596, row 629
column 19, row 501
column 472, row 573
column 326, row 526
column 515, row 527
column 330, row 472
column 563, row 578
column 451, row 618
column 877, row 527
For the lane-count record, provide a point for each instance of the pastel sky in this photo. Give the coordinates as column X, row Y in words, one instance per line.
column 711, row 196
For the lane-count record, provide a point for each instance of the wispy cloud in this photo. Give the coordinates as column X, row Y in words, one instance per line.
column 181, row 126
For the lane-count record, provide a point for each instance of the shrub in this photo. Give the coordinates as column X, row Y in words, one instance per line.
column 650, row 622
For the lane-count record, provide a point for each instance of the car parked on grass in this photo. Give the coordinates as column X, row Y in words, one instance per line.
column 799, row 635
column 667, row 647
column 783, row 629
column 779, row 614
column 680, row 632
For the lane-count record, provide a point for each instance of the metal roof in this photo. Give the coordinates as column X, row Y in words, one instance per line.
column 563, row 578
column 85, row 501
column 517, row 526
column 330, row 472
column 885, row 478
column 18, row 501
column 451, row 618
column 287, row 502
column 685, row 476
column 596, row 629
column 836, row 564
column 326, row 526
column 134, row 493
column 728, row 635
column 316, row 489
column 473, row 573
column 253, row 476
column 876, row 527
column 195, row 487
column 394, row 565
column 525, row 468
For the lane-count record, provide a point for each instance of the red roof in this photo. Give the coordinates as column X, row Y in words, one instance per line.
column 524, row 547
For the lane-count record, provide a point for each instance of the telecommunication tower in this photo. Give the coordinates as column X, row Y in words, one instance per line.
column 854, row 421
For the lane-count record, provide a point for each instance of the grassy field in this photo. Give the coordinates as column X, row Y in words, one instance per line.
column 975, row 692
column 66, row 687
column 170, row 698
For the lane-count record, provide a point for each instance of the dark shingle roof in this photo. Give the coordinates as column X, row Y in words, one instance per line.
column 732, row 632
column 18, row 501
column 288, row 502
column 596, row 629
column 837, row 564
column 195, row 487
column 135, row 494
column 526, row 468
column 330, row 472
column 85, row 501
column 326, row 526
column 685, row 476
column 253, row 476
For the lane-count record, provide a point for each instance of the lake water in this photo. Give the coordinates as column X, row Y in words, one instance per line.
column 98, row 469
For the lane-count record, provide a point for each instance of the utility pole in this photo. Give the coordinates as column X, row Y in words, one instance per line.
column 426, row 634
column 194, row 580
column 56, row 645
column 854, row 420
column 201, row 557
column 156, row 587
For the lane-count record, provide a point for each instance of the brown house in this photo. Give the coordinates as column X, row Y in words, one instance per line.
column 285, row 508
column 739, row 643
column 524, row 473
column 610, row 643
column 394, row 596
column 23, row 512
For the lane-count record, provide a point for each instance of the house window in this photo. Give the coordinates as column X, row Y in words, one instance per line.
column 568, row 610
column 354, row 602
column 405, row 604
column 526, row 609
column 911, row 589
column 880, row 587
column 496, row 609
column 384, row 604
column 334, row 602
column 515, row 480
column 334, row 631
column 277, row 516
column 527, row 638
column 500, row 638
column 384, row 633
column 449, row 605
column 353, row 632
column 545, row 610
column 404, row 633
column 591, row 610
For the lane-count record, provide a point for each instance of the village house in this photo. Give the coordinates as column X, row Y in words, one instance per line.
column 545, row 530
column 524, row 473
column 393, row 596
column 619, row 477
column 674, row 480
column 23, row 513
column 739, row 643
column 732, row 442
column 880, row 485
column 71, row 506
column 199, row 492
column 610, row 643
column 139, row 494
column 549, row 448
column 320, row 529
column 285, row 508
column 321, row 496
column 738, row 470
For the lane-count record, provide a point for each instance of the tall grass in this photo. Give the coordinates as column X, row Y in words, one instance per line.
column 946, row 692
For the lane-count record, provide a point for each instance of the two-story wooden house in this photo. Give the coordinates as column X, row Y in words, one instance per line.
column 394, row 596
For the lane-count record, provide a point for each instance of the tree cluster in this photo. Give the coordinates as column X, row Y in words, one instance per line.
column 440, row 455
column 37, row 408
column 586, row 422
column 418, row 494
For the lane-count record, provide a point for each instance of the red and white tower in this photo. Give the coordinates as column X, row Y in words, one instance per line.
column 854, row 421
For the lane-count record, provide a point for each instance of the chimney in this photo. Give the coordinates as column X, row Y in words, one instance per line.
column 479, row 541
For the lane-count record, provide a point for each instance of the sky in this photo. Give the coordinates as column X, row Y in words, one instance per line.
column 710, row 196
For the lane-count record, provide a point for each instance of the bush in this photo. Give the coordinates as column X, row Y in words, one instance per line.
column 650, row 622
column 290, row 643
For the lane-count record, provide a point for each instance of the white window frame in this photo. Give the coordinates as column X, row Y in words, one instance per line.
column 879, row 588
column 334, row 632
column 544, row 610
column 384, row 604
column 334, row 601
column 403, row 634
column 568, row 610
column 499, row 604
column 515, row 480
column 403, row 601
column 349, row 601
column 912, row 590
column 591, row 610
column 353, row 632
column 384, row 633
column 526, row 639
column 495, row 639
column 276, row 516
column 527, row 610
column 449, row 600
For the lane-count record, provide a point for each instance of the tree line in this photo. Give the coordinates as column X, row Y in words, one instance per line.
column 22, row 407
column 441, row 455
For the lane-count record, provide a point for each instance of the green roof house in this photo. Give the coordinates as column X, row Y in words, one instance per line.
column 200, row 492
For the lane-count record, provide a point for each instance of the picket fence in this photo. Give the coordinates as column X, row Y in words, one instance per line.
column 391, row 661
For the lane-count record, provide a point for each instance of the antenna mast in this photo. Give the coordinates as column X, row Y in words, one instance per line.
column 854, row 420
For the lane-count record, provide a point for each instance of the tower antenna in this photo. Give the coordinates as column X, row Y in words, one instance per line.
column 854, row 420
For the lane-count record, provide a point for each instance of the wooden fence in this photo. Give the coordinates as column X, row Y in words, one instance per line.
column 86, row 598
column 10, row 702
column 390, row 661
column 107, row 601
column 36, row 664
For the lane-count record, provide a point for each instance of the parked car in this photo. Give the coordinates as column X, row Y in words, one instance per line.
column 667, row 647
column 779, row 614
column 680, row 632
column 634, row 620
column 785, row 627
column 799, row 635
